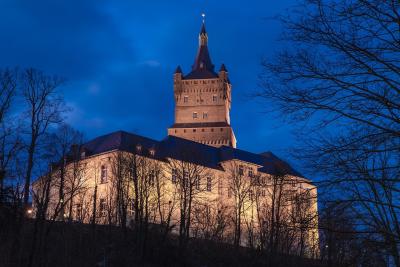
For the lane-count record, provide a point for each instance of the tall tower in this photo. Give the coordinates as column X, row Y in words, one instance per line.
column 203, row 101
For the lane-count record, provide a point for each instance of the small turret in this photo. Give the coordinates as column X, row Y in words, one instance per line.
column 223, row 72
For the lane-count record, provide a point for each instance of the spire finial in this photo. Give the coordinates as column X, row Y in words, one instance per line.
column 203, row 15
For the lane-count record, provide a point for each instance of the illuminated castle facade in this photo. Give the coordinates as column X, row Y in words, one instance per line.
column 119, row 177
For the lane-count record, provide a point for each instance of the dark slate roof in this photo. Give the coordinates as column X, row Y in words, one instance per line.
column 178, row 69
column 182, row 149
column 120, row 140
column 202, row 67
column 200, row 124
column 223, row 68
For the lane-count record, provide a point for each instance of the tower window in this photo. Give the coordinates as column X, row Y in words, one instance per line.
column 202, row 130
column 212, row 129
column 214, row 98
column 205, row 115
column 194, row 130
column 185, row 99
column 184, row 130
column 221, row 129
column 194, row 115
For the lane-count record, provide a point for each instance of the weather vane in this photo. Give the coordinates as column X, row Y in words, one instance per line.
column 204, row 16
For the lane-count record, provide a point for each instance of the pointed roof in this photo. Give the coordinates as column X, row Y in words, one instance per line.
column 202, row 67
column 178, row 69
column 203, row 29
column 223, row 68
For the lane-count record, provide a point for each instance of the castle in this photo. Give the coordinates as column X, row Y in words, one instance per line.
column 195, row 180
column 203, row 101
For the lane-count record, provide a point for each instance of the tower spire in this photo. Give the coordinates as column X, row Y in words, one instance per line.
column 203, row 38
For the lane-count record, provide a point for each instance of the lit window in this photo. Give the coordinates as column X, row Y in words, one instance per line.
column 241, row 170
column 197, row 184
column 185, row 178
column 174, row 176
column 194, row 115
column 209, row 184
column 214, row 98
column 185, row 99
column 251, row 174
column 78, row 211
column 152, row 177
column 103, row 175
column 102, row 207
column 205, row 115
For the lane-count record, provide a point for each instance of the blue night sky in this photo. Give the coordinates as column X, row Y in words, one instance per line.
column 119, row 58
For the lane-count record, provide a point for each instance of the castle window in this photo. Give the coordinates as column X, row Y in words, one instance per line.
column 263, row 180
column 221, row 129
column 102, row 207
column 103, row 174
column 194, row 115
column 186, row 179
column 197, row 182
column 176, row 131
column 202, row 130
column 184, row 130
column 251, row 174
column 78, row 209
column 214, row 98
column 263, row 193
column 185, row 99
column 209, row 184
column 174, row 176
column 152, row 178
column 241, row 170
column 212, row 129
column 194, row 130
column 205, row 115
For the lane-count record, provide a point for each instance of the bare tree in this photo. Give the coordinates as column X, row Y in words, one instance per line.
column 340, row 74
column 239, row 187
column 190, row 181
column 10, row 142
column 44, row 108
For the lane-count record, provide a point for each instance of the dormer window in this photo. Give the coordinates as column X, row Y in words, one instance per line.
column 251, row 174
column 138, row 148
